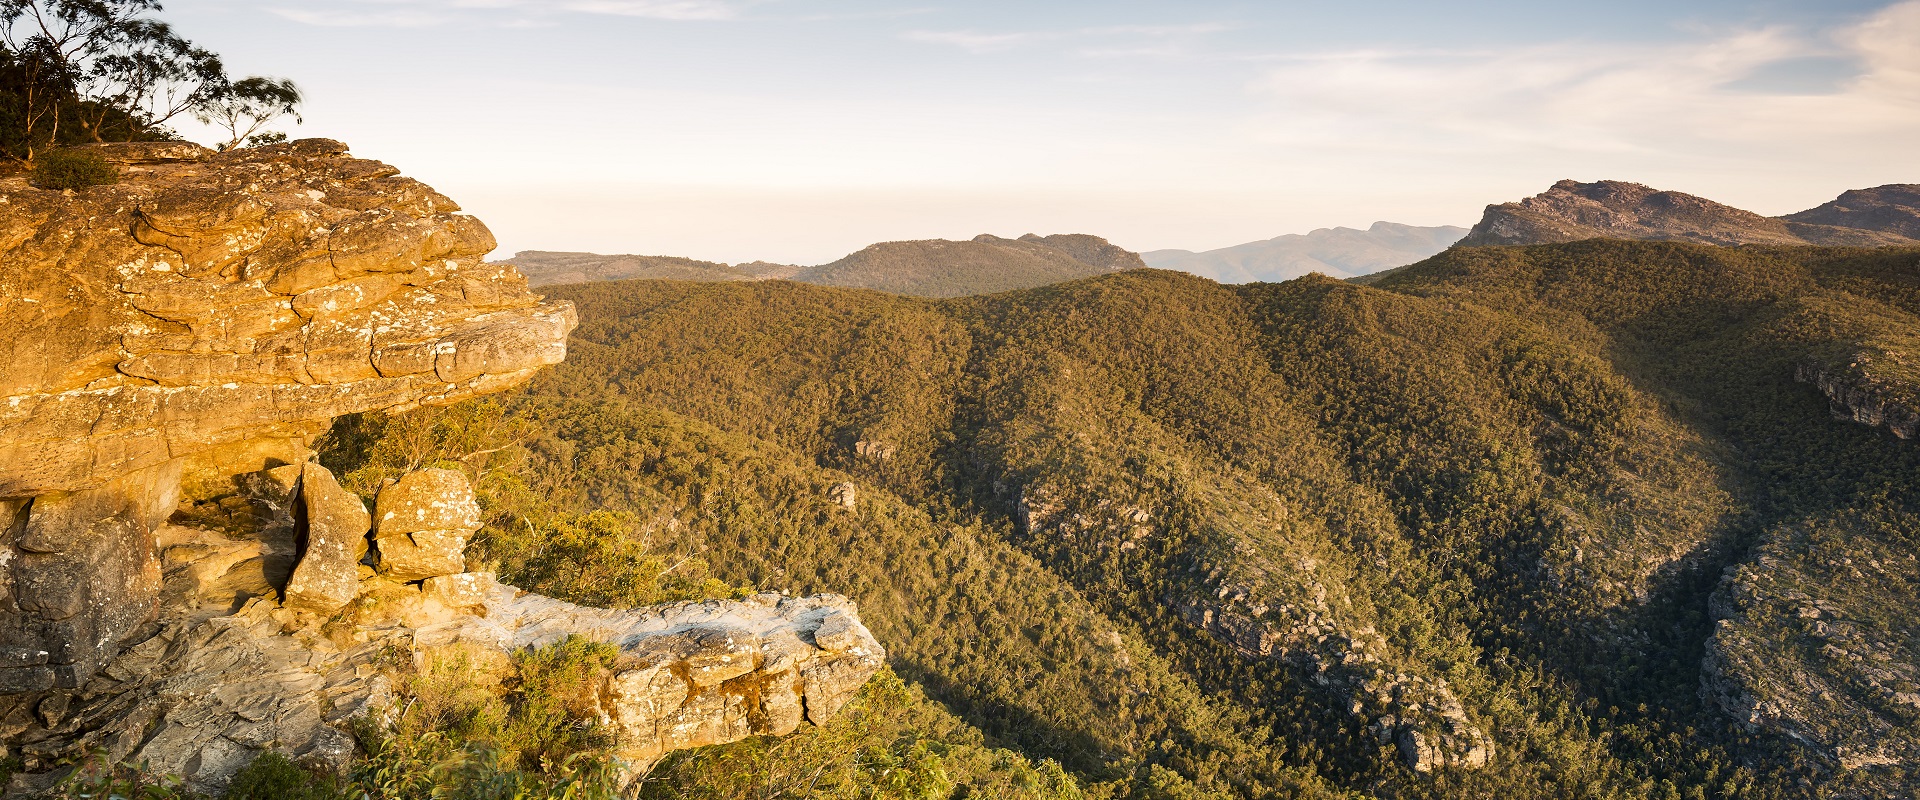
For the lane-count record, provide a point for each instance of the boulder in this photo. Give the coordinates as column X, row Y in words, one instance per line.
column 328, row 576
column 696, row 674
column 844, row 494
column 468, row 590
column 423, row 523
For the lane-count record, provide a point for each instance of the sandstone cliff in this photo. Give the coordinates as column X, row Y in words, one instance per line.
column 174, row 341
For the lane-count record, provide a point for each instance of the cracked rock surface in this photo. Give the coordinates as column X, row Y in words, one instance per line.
column 200, row 319
column 213, row 298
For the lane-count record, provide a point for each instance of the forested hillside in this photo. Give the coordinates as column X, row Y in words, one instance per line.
column 1572, row 520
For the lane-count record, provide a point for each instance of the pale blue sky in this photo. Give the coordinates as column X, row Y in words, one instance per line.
column 800, row 130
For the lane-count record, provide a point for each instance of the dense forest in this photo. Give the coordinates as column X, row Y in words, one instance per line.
column 1573, row 520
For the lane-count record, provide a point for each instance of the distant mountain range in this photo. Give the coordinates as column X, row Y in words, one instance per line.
column 1336, row 252
column 546, row 268
column 1571, row 211
column 984, row 265
column 927, row 268
column 1568, row 211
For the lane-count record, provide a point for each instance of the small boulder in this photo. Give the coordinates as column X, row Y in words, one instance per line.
column 844, row 494
column 424, row 521
column 327, row 577
column 465, row 590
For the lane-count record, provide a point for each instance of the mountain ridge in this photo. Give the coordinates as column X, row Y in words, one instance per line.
column 1570, row 211
column 1338, row 252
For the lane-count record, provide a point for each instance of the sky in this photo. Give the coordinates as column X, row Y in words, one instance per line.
column 797, row 131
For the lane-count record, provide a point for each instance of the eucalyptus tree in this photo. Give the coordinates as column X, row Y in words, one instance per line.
column 75, row 71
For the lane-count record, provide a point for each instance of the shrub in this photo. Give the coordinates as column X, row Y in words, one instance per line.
column 273, row 776
column 73, row 169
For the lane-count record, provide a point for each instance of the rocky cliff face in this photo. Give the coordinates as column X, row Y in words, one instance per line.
column 1571, row 211
column 1857, row 391
column 174, row 342
column 203, row 318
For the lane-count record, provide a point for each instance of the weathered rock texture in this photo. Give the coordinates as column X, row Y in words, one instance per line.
column 701, row 673
column 200, row 697
column 1860, row 391
column 173, row 341
column 1807, row 649
column 201, row 319
column 425, row 520
column 1571, row 211
column 328, row 576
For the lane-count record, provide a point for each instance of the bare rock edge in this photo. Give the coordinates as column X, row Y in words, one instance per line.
column 173, row 343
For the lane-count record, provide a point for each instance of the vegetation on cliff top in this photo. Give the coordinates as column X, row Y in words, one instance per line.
column 108, row 71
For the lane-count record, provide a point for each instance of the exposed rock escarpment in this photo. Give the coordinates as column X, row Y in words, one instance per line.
column 1420, row 717
column 213, row 299
column 1806, row 649
column 199, row 696
column 181, row 586
column 201, row 319
column 1858, row 391
column 1570, row 211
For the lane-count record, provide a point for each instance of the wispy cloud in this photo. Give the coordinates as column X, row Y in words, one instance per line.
column 513, row 13
column 352, row 18
column 1706, row 98
column 655, row 9
column 973, row 41
column 1114, row 40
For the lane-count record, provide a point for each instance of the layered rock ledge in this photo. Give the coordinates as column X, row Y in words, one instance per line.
column 181, row 586
column 210, row 299
column 1857, row 392
column 205, row 317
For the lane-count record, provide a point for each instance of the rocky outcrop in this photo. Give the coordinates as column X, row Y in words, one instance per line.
column 201, row 697
column 425, row 520
column 328, row 576
column 181, row 586
column 1859, row 391
column 1420, row 717
column 202, row 319
column 1571, row 211
column 1806, row 649
column 1892, row 209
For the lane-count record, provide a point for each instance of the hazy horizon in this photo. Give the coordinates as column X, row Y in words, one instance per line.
column 797, row 132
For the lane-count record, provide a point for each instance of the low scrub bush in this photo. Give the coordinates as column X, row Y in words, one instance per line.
column 73, row 169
